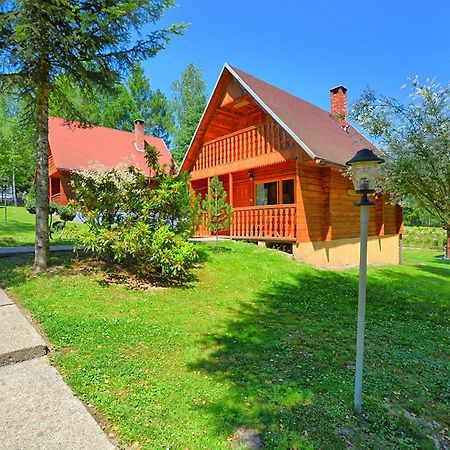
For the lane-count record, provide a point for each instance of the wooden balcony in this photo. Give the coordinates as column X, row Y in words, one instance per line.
column 257, row 141
column 56, row 198
column 274, row 222
column 263, row 223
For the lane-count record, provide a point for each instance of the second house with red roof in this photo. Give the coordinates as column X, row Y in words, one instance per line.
column 73, row 148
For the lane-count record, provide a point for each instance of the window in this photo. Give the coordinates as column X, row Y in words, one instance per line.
column 288, row 192
column 275, row 192
column 55, row 186
column 266, row 193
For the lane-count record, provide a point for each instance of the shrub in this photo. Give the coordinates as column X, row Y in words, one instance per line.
column 66, row 213
column 170, row 255
column 30, row 205
column 136, row 221
column 424, row 237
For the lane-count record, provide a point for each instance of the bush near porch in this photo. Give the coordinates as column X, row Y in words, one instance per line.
column 257, row 341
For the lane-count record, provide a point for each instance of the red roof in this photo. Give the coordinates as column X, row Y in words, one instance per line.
column 75, row 148
column 315, row 127
column 319, row 134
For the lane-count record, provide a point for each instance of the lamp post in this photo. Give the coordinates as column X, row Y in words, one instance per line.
column 364, row 167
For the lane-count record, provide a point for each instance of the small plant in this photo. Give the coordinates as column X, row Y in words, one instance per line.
column 218, row 210
column 66, row 214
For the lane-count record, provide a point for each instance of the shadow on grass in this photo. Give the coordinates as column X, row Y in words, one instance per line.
column 15, row 270
column 289, row 361
column 15, row 228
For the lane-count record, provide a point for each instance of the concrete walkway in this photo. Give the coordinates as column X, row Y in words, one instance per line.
column 12, row 251
column 37, row 409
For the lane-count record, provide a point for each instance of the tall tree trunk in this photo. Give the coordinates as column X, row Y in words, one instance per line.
column 447, row 246
column 14, row 187
column 42, row 243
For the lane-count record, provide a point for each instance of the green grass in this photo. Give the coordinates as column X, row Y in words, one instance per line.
column 19, row 228
column 258, row 340
column 424, row 237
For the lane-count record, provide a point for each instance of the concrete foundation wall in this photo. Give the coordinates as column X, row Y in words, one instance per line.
column 345, row 252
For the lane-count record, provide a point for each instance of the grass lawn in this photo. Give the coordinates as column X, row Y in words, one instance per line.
column 20, row 226
column 257, row 341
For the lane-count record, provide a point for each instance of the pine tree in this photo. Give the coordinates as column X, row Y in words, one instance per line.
column 188, row 104
column 219, row 212
column 151, row 106
column 120, row 106
column 92, row 42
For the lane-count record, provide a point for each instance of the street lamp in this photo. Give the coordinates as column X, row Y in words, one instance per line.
column 365, row 167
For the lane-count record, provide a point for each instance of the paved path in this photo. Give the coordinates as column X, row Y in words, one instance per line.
column 37, row 409
column 11, row 251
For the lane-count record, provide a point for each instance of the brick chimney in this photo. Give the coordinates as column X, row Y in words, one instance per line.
column 338, row 97
column 139, row 134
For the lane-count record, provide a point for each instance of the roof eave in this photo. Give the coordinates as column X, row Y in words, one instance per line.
column 327, row 162
column 203, row 115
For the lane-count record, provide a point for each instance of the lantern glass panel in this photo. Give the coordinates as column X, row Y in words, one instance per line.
column 365, row 176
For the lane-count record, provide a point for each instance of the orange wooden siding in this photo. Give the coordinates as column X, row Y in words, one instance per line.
column 324, row 207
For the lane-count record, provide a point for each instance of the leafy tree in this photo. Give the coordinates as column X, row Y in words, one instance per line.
column 92, row 42
column 134, row 221
column 188, row 105
column 16, row 145
column 416, row 140
column 218, row 211
column 415, row 215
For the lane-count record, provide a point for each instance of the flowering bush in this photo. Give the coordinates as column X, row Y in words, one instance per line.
column 135, row 220
column 424, row 237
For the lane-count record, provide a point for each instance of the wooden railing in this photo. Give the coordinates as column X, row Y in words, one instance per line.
column 244, row 144
column 275, row 222
column 55, row 198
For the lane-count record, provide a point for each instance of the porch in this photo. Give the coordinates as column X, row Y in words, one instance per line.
column 275, row 223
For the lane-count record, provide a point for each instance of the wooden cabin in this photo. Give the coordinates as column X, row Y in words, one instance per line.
column 282, row 161
column 72, row 147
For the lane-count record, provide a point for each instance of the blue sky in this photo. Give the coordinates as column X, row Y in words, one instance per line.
column 309, row 46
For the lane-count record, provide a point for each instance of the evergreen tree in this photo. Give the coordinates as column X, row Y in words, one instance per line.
column 92, row 42
column 188, row 105
column 160, row 121
column 219, row 212
column 120, row 106
column 151, row 106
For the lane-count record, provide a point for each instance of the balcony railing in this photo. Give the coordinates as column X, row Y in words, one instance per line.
column 248, row 143
column 56, row 198
column 274, row 223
